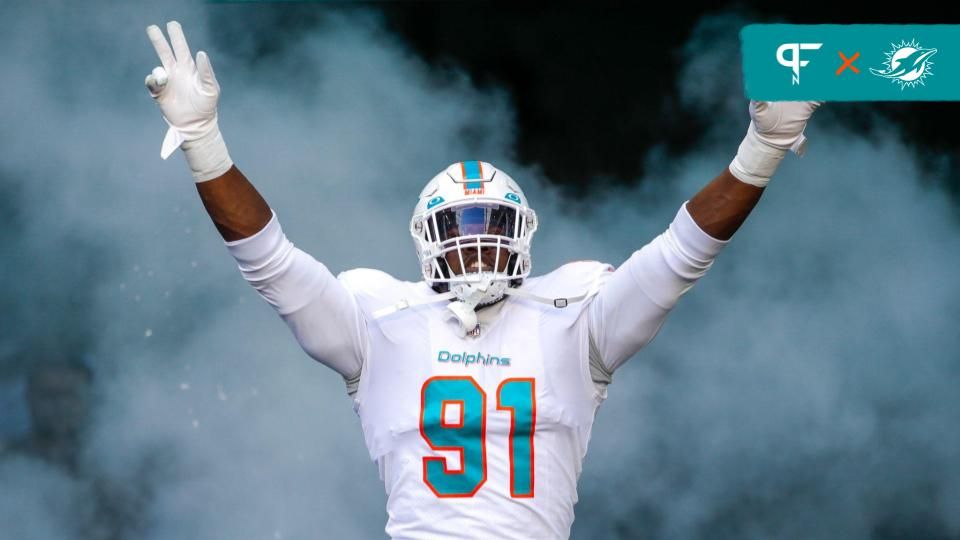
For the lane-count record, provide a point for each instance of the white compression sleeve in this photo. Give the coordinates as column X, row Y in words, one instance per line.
column 632, row 305
column 321, row 312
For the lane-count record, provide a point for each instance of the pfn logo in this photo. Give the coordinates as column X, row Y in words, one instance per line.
column 794, row 62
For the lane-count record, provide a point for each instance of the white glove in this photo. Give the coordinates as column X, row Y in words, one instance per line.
column 775, row 128
column 187, row 93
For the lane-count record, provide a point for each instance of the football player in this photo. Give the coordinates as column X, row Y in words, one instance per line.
column 477, row 386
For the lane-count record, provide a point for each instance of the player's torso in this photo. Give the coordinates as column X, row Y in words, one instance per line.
column 483, row 436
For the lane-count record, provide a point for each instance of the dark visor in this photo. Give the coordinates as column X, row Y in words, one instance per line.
column 479, row 219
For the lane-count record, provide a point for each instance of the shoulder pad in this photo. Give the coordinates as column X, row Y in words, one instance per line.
column 570, row 280
column 375, row 289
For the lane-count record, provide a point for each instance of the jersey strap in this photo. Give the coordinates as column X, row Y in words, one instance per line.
column 407, row 303
column 555, row 302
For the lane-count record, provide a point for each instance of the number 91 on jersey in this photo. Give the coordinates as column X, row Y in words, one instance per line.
column 453, row 417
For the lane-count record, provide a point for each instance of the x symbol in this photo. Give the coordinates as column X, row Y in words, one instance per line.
column 848, row 62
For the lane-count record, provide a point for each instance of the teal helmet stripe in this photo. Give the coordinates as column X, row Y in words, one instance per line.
column 471, row 170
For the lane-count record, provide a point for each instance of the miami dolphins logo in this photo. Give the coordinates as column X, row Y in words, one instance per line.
column 907, row 64
column 434, row 201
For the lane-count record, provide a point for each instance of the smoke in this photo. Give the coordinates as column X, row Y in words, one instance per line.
column 804, row 389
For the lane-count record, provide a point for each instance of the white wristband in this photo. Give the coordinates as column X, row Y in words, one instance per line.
column 207, row 156
column 755, row 161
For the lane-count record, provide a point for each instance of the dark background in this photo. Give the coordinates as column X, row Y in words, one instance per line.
column 807, row 388
column 594, row 83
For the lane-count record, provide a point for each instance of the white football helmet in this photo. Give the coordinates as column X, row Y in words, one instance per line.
column 472, row 229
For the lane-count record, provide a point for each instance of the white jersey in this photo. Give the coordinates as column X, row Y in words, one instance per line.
column 482, row 433
column 482, row 436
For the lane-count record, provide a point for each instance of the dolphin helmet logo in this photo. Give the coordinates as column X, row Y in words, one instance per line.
column 907, row 64
column 434, row 201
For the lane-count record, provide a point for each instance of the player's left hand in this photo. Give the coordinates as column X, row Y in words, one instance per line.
column 780, row 124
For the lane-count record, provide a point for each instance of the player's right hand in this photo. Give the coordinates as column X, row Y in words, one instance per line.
column 186, row 90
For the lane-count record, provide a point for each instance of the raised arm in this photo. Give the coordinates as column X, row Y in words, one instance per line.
column 234, row 205
column 775, row 128
column 723, row 205
column 187, row 93
column 635, row 299
column 320, row 311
